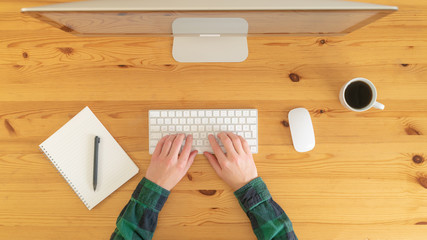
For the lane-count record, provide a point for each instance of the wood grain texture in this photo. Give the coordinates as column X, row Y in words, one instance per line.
column 365, row 179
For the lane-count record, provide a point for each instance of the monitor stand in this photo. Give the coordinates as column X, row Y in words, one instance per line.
column 210, row 39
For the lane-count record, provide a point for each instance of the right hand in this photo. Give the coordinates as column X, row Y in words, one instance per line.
column 237, row 167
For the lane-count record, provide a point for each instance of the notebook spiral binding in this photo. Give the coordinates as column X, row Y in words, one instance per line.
column 47, row 155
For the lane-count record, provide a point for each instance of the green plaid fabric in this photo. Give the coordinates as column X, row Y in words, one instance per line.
column 268, row 219
column 138, row 219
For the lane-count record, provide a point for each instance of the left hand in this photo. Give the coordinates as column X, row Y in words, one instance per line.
column 167, row 168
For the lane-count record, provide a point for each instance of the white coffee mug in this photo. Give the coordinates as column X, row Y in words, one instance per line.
column 372, row 103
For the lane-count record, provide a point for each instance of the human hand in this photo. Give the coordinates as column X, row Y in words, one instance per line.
column 167, row 168
column 237, row 167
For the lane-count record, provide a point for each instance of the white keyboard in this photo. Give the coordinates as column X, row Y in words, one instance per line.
column 201, row 123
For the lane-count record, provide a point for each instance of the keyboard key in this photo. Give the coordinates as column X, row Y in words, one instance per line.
column 209, row 128
column 153, row 121
column 248, row 135
column 245, row 128
column 178, row 113
column 160, row 121
column 223, row 127
column 186, row 113
column 245, row 113
column 171, row 114
column 197, row 121
column 201, row 128
column 163, row 113
column 190, row 120
column 251, row 142
column 203, row 149
column 227, row 120
column 254, row 149
column 205, row 120
column 238, row 113
column 234, row 120
column 216, row 113
column 154, row 113
column 231, row 113
column 223, row 113
column 171, row 129
column 231, row 128
column 239, row 127
column 253, row 113
column 193, row 128
column 155, row 135
column 155, row 128
column 201, row 114
column 175, row 121
column 186, row 128
column 212, row 120
column 251, row 120
column 168, row 121
column 164, row 128
column 196, row 135
column 182, row 121
column 179, row 128
column 199, row 142
column 220, row 120
column 193, row 113
column 242, row 120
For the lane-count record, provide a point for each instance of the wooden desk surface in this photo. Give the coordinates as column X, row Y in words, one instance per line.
column 366, row 178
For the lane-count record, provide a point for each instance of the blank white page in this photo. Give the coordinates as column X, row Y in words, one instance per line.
column 71, row 150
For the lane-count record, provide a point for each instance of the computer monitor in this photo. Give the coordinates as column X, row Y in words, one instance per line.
column 209, row 30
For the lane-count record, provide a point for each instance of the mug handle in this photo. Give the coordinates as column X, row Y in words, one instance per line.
column 378, row 105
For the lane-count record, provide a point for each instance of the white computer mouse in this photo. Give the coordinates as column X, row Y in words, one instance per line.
column 301, row 129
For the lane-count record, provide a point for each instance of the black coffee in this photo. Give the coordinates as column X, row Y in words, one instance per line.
column 358, row 94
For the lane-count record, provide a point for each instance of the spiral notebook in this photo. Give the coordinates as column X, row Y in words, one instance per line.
column 71, row 150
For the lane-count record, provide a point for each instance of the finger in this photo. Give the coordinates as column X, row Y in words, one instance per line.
column 226, row 141
column 216, row 149
column 191, row 159
column 187, row 148
column 213, row 161
column 245, row 145
column 159, row 146
column 167, row 145
column 236, row 142
column 176, row 145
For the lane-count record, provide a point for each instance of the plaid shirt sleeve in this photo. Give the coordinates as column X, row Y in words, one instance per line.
column 268, row 219
column 138, row 219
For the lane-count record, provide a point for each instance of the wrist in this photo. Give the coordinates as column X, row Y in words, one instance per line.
column 161, row 183
column 237, row 186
